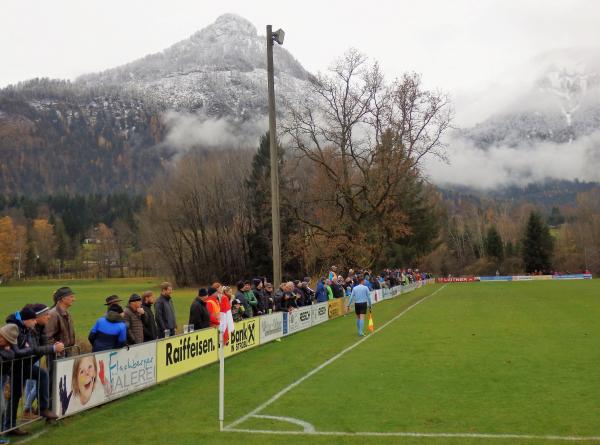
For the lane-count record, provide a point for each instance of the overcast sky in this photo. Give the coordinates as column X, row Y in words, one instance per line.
column 458, row 45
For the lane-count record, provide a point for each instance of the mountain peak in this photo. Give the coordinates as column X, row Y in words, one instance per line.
column 230, row 24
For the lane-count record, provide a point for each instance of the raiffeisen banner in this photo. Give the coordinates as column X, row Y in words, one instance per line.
column 184, row 353
column 89, row 380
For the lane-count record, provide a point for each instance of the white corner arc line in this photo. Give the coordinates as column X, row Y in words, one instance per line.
column 328, row 362
column 308, row 427
column 431, row 435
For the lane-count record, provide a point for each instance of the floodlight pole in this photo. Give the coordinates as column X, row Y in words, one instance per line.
column 274, row 164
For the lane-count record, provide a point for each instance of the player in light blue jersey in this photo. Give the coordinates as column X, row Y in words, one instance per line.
column 362, row 300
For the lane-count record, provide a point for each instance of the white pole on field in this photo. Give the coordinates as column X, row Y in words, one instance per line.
column 221, row 381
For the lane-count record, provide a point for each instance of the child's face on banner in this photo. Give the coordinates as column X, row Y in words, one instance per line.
column 86, row 377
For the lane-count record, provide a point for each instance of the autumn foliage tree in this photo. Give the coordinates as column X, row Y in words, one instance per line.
column 7, row 247
column 364, row 141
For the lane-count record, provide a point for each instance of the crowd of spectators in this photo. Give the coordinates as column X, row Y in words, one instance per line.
column 38, row 331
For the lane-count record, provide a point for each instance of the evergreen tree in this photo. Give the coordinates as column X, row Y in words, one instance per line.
column 493, row 244
column 538, row 245
column 509, row 250
column 259, row 201
column 556, row 218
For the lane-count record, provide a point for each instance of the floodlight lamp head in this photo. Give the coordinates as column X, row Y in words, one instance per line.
column 278, row 36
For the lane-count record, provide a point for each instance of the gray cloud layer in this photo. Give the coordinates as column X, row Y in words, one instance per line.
column 196, row 130
column 501, row 165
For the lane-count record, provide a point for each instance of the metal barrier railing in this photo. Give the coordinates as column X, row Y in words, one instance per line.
column 31, row 374
column 27, row 388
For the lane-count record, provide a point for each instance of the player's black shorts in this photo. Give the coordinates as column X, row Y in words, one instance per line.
column 360, row 308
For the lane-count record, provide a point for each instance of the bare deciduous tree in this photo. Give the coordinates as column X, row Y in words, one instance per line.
column 365, row 141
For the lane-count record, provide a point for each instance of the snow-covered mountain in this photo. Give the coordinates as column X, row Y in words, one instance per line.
column 113, row 131
column 544, row 126
column 220, row 70
column 560, row 105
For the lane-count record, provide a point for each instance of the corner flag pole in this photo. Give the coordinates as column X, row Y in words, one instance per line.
column 221, row 381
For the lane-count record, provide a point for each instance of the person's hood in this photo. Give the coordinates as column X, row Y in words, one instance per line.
column 15, row 318
column 114, row 317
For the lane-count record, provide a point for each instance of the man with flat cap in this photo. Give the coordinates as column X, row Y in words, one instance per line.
column 133, row 319
column 60, row 327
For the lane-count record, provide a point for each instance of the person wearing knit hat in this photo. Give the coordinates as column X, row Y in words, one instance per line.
column 8, row 336
column 109, row 331
column 199, row 316
column 133, row 315
column 39, row 344
column 28, row 350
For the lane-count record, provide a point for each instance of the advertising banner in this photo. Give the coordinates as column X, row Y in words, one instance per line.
column 496, row 278
column 522, row 278
column 577, row 276
column 183, row 353
column 271, row 327
column 542, row 277
column 89, row 380
column 319, row 313
column 336, row 307
column 245, row 336
column 299, row 319
column 455, row 280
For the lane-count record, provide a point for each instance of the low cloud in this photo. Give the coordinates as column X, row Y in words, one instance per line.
column 196, row 130
column 500, row 166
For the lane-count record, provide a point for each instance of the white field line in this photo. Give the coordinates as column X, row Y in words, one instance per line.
column 408, row 434
column 33, row 437
column 307, row 427
column 324, row 364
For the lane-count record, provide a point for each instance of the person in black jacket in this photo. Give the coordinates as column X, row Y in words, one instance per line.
column 165, row 311
column 41, row 346
column 148, row 320
column 199, row 316
column 28, row 351
column 338, row 290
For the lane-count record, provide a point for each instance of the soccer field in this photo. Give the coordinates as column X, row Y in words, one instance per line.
column 461, row 363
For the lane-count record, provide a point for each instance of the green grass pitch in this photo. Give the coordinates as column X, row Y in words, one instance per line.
column 518, row 359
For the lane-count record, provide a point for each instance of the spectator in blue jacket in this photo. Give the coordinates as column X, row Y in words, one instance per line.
column 321, row 292
column 110, row 331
